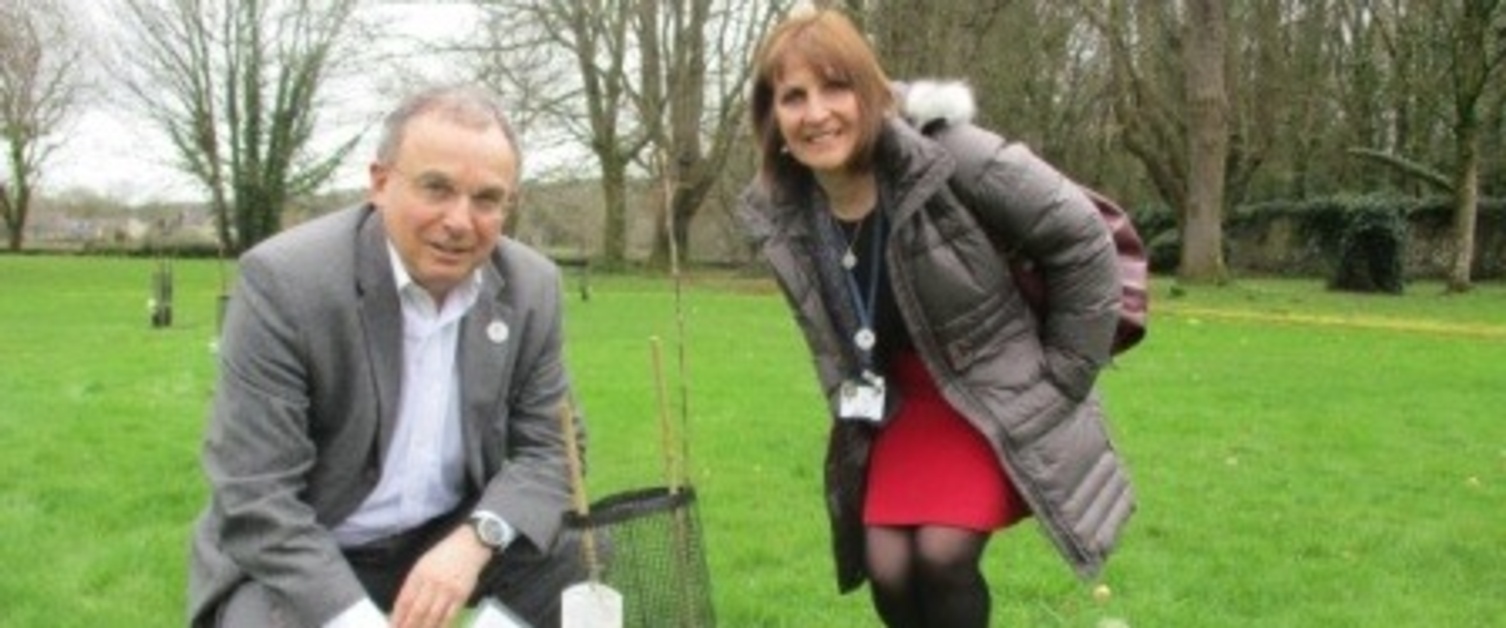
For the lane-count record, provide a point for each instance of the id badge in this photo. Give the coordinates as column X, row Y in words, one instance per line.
column 863, row 399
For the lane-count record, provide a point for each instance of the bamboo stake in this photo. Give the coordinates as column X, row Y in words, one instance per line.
column 683, row 371
column 578, row 490
column 677, row 463
column 673, row 473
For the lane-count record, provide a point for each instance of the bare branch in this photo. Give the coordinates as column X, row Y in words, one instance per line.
column 1435, row 179
column 40, row 84
column 237, row 88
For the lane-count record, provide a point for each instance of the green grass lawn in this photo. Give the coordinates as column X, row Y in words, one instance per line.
column 1302, row 458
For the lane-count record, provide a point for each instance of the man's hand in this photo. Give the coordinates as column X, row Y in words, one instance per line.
column 441, row 582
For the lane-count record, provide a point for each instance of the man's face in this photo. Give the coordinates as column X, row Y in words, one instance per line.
column 443, row 198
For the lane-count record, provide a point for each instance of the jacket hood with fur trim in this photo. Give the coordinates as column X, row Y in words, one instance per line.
column 926, row 102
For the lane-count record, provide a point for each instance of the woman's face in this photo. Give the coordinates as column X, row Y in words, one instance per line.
column 818, row 117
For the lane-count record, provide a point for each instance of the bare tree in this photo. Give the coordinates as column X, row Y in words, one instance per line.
column 1037, row 70
column 694, row 62
column 1463, row 51
column 1146, row 90
column 1477, row 53
column 236, row 87
column 1306, row 84
column 565, row 63
column 40, row 65
column 654, row 88
column 940, row 38
column 1175, row 90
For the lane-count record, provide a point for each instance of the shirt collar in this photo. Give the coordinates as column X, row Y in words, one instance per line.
column 460, row 299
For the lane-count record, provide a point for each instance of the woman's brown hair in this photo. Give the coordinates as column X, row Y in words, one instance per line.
column 834, row 47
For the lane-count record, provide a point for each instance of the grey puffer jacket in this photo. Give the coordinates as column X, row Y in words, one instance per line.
column 957, row 196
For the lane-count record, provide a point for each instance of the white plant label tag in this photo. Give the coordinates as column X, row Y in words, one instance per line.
column 590, row 605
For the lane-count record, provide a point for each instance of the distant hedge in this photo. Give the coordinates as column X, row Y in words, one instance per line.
column 1307, row 237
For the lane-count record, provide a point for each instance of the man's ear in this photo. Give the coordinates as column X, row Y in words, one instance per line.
column 378, row 175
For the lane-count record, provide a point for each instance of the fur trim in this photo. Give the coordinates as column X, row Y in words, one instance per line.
column 926, row 102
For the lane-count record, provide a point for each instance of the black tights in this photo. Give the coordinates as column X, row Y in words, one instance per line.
column 928, row 576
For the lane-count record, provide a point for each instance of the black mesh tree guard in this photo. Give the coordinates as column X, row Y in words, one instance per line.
column 650, row 550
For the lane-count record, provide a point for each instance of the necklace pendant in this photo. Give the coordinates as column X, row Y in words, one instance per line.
column 864, row 339
column 849, row 260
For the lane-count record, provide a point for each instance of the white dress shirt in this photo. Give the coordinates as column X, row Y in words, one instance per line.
column 424, row 473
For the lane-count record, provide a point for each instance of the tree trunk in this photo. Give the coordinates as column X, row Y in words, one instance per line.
column 22, row 202
column 15, row 223
column 5, row 213
column 1207, row 144
column 1466, row 197
column 17, row 203
column 682, row 206
column 1472, row 68
column 614, row 228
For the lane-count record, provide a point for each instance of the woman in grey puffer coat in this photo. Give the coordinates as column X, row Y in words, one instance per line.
column 956, row 412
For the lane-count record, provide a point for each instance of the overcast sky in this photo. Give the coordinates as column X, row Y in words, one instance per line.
column 111, row 150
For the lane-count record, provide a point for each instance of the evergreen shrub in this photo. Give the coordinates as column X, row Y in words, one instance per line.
column 1372, row 249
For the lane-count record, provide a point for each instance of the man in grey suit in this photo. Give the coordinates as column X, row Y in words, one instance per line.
column 384, row 446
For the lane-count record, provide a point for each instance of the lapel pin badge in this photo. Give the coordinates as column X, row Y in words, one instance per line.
column 497, row 332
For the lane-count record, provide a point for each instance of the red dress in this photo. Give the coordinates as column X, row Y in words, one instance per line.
column 930, row 467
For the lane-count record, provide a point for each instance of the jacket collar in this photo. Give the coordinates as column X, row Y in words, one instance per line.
column 488, row 333
column 381, row 320
column 914, row 168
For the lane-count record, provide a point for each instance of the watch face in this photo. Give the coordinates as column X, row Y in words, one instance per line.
column 489, row 531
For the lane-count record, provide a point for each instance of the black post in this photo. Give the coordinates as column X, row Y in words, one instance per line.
column 162, row 294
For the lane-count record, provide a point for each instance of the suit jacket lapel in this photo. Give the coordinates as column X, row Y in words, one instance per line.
column 382, row 320
column 486, row 339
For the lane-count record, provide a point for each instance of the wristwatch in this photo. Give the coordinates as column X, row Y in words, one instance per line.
column 491, row 530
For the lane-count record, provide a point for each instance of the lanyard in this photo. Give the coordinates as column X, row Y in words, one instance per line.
column 863, row 340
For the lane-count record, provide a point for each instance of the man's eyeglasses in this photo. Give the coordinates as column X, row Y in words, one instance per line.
column 437, row 189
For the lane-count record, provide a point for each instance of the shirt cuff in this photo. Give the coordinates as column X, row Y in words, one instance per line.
column 362, row 614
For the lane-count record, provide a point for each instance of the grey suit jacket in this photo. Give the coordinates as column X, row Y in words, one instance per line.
column 310, row 370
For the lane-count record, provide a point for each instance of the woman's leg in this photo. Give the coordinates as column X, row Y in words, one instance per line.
column 891, row 562
column 946, row 572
